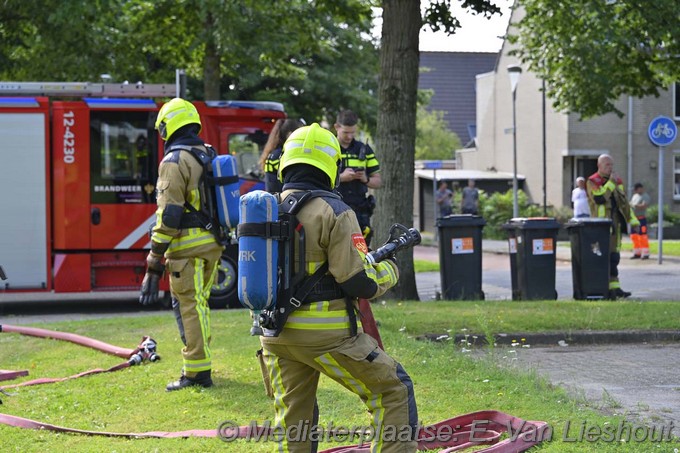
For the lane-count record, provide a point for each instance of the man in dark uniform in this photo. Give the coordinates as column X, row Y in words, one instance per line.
column 359, row 171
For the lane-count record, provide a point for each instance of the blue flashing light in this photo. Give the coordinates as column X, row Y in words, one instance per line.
column 19, row 102
column 120, row 103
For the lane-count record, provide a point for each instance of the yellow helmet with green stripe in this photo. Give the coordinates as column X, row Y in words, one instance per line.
column 315, row 146
column 175, row 114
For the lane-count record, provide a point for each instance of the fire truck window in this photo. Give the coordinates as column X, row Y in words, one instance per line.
column 247, row 149
column 123, row 160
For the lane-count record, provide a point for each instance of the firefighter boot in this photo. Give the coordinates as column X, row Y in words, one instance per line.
column 618, row 293
column 202, row 379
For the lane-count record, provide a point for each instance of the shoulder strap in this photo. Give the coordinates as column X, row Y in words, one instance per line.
column 290, row 205
column 296, row 200
column 203, row 156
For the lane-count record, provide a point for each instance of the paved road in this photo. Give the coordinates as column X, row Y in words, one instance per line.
column 640, row 381
column 647, row 280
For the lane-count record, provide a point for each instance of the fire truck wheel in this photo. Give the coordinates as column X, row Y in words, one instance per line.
column 223, row 294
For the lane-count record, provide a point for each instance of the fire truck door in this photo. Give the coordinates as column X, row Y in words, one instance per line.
column 24, row 191
column 123, row 173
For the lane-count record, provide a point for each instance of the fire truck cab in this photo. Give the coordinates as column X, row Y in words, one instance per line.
column 78, row 168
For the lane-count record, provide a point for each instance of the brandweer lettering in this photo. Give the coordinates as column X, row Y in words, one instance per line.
column 117, row 188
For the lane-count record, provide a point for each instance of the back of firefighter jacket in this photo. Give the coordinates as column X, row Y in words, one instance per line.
column 179, row 181
column 332, row 234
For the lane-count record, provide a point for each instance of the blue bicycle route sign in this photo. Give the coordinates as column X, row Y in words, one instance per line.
column 662, row 131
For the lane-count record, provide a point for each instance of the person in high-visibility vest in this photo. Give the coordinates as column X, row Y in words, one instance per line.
column 191, row 252
column 322, row 336
column 607, row 200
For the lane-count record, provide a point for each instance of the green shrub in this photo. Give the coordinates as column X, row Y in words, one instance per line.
column 497, row 210
column 669, row 217
column 562, row 214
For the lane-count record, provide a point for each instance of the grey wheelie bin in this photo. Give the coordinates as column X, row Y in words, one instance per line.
column 589, row 239
column 534, row 262
column 460, row 256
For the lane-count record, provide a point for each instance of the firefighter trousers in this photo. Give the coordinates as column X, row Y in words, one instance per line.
column 614, row 254
column 358, row 364
column 190, row 282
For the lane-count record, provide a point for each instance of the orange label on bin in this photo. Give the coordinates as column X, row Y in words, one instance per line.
column 462, row 245
column 543, row 246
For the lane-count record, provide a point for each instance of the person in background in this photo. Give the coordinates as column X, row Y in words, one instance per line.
column 271, row 154
column 470, row 200
column 579, row 198
column 640, row 202
column 443, row 197
column 359, row 171
column 607, row 200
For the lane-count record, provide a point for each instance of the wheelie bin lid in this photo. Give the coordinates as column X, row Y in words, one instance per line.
column 532, row 223
column 587, row 221
column 460, row 220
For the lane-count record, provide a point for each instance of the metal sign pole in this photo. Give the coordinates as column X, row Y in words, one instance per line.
column 660, row 218
column 434, row 199
column 661, row 131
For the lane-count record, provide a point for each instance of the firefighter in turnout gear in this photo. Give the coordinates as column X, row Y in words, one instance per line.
column 607, row 200
column 359, row 171
column 191, row 252
column 322, row 335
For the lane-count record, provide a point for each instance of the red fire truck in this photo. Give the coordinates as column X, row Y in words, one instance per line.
column 78, row 166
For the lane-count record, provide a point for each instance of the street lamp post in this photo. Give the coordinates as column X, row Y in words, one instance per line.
column 514, row 71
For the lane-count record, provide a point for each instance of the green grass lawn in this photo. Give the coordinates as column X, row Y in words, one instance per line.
column 670, row 247
column 425, row 266
column 447, row 381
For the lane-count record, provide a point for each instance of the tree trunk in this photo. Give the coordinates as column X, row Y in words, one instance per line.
column 211, row 62
column 396, row 131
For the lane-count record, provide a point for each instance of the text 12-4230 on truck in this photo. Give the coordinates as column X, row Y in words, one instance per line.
column 78, row 168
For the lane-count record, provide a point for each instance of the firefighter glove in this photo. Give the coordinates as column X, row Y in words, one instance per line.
column 154, row 272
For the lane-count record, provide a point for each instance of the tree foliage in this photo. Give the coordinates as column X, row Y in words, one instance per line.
column 314, row 56
column 434, row 139
column 592, row 52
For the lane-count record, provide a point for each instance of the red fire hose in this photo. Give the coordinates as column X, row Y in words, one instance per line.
column 145, row 351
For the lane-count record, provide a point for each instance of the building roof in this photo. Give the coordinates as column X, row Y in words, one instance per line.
column 451, row 75
column 456, row 175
